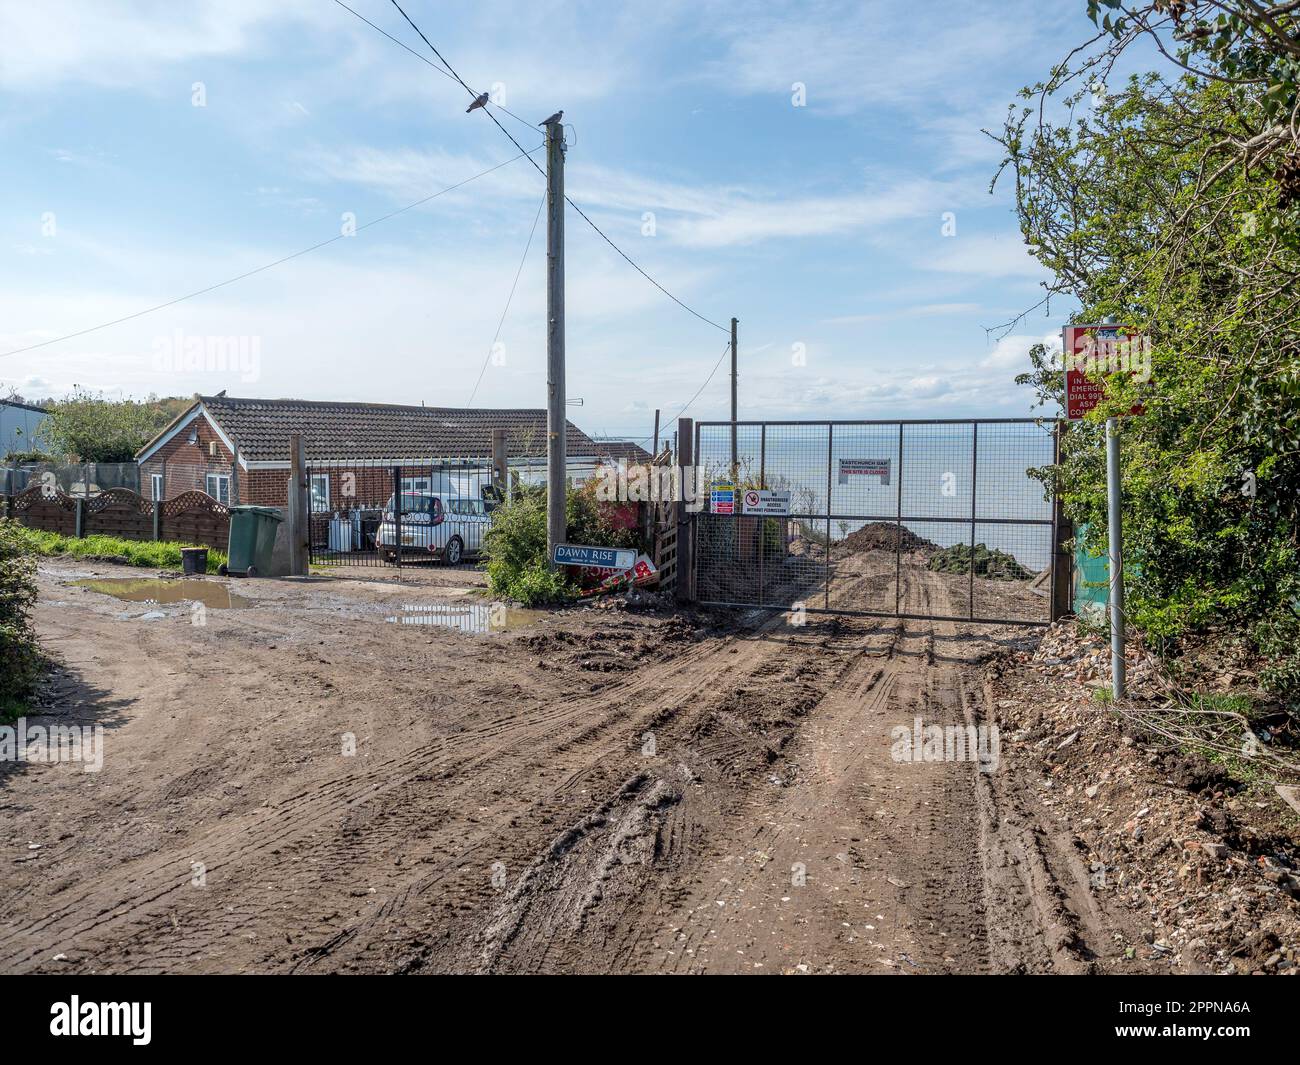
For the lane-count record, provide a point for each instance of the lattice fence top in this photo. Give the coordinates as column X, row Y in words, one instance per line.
column 119, row 497
column 191, row 502
column 37, row 494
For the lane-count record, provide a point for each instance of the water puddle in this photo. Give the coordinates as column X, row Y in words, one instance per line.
column 156, row 590
column 477, row 619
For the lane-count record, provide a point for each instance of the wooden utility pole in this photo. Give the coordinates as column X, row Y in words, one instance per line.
column 556, row 425
column 500, row 463
column 655, row 452
column 735, row 466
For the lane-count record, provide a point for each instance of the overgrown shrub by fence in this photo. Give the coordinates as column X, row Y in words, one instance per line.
column 192, row 517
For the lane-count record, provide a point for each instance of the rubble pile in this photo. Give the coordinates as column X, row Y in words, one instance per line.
column 1070, row 653
column 1207, row 866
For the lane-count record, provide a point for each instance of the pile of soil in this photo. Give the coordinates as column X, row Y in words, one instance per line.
column 885, row 536
column 993, row 564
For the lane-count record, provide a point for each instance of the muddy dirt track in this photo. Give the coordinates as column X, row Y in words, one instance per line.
column 603, row 790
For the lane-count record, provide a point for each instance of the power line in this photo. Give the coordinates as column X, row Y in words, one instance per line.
column 472, row 93
column 569, row 200
column 638, row 269
column 509, row 298
column 725, row 351
column 446, row 73
column 270, row 265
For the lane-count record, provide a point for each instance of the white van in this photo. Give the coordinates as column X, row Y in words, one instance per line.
column 449, row 528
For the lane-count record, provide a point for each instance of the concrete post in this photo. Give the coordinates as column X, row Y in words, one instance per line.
column 500, row 463
column 298, row 509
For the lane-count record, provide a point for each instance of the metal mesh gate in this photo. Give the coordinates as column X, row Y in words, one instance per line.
column 376, row 513
column 921, row 519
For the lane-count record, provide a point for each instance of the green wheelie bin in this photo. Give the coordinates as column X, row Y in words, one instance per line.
column 252, row 540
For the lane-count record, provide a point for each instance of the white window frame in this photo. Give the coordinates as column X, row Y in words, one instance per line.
column 156, row 486
column 223, row 487
column 324, row 478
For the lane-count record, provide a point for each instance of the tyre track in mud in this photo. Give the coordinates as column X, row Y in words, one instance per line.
column 771, row 748
column 256, row 845
column 864, row 865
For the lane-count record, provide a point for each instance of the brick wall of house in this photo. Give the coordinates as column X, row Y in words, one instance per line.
column 186, row 465
column 264, row 488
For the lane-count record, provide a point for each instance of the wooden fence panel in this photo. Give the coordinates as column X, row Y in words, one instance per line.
column 192, row 517
column 196, row 518
column 45, row 508
column 119, row 512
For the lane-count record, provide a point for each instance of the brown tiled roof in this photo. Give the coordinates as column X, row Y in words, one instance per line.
column 261, row 428
column 622, row 449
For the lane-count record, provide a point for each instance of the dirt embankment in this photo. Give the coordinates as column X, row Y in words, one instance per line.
column 1202, row 854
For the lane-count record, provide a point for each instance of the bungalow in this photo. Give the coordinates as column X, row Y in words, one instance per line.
column 237, row 450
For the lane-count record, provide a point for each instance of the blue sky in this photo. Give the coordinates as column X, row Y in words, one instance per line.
column 820, row 227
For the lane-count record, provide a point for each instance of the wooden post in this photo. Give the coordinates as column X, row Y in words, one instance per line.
column 234, row 474
column 299, row 512
column 79, row 517
column 685, row 545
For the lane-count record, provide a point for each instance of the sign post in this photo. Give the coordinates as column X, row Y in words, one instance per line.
column 1092, row 351
column 1118, row 667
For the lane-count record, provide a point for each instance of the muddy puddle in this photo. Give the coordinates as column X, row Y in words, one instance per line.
column 475, row 618
column 156, row 590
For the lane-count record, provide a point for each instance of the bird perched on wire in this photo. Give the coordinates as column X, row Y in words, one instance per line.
column 479, row 101
column 554, row 118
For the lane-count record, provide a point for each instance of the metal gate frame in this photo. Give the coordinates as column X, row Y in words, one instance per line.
column 372, row 482
column 898, row 518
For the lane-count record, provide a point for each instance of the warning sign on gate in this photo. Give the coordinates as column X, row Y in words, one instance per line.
column 722, row 499
column 864, row 468
column 765, row 501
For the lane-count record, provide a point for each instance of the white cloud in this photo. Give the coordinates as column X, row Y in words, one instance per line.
column 1012, row 352
column 985, row 256
column 124, row 43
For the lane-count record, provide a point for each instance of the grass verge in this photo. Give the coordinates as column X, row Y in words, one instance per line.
column 147, row 553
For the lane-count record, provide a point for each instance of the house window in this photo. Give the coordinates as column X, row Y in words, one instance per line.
column 157, row 483
column 218, row 487
column 320, row 492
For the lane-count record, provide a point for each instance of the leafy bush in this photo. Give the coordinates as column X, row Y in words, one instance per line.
column 96, row 429
column 18, row 647
column 153, row 554
column 515, row 545
column 1138, row 208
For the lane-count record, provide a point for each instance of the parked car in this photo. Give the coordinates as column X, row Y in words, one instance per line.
column 450, row 528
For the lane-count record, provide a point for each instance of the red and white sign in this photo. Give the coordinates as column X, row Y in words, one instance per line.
column 765, row 501
column 643, row 572
column 1092, row 352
